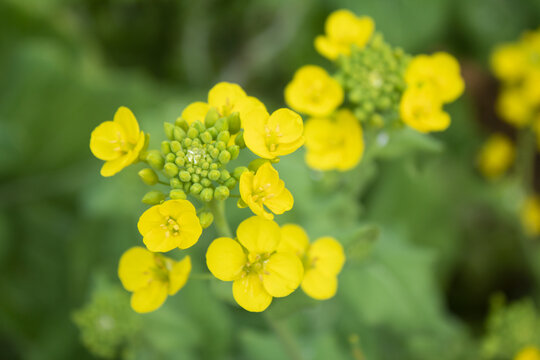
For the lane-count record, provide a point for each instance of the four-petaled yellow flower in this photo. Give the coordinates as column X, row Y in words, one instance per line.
column 343, row 29
column 440, row 72
column 270, row 136
column 151, row 277
column 421, row 109
column 172, row 224
column 312, row 91
column 513, row 107
column 323, row 260
column 226, row 98
column 118, row 142
column 528, row 353
column 530, row 215
column 334, row 143
column 265, row 188
column 509, row 61
column 259, row 272
column 496, row 156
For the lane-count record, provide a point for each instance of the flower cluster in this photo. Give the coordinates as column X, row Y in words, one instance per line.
column 382, row 86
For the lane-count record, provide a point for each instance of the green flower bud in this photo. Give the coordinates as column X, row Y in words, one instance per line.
column 176, row 146
column 205, row 165
column 224, row 157
column 184, row 176
column 199, row 126
column 213, row 131
column 213, row 166
column 187, row 142
column 180, row 161
column 170, row 170
column 225, row 175
column 214, row 153
column 220, row 145
column 165, row 147
column 179, row 133
column 239, row 140
column 207, row 194
column 211, row 117
column 234, row 123
column 196, row 142
column 182, row 123
column 169, row 130
column 206, row 219
column 195, row 178
column 187, row 186
column 177, row 194
column 221, row 124
column 214, row 175
column 230, row 183
column 234, row 150
column 195, row 189
column 190, row 169
column 206, row 137
column 155, row 159
column 198, row 170
column 153, row 197
column 170, row 157
column 192, row 133
column 255, row 164
column 176, row 183
column 221, row 193
column 224, row 136
column 206, row 183
column 148, row 176
column 239, row 171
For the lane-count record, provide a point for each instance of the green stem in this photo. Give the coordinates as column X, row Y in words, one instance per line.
column 285, row 337
column 526, row 157
column 220, row 220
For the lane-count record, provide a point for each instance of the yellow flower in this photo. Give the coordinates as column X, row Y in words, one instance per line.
column 169, row 225
column 226, row 98
column 421, row 109
column 118, row 142
column 508, row 62
column 151, row 277
column 440, row 72
column 259, row 272
column 265, row 188
column 531, row 90
column 528, row 353
column 512, row 106
column 334, row 143
column 496, row 156
column 530, row 215
column 312, row 91
column 323, row 260
column 270, row 136
column 343, row 29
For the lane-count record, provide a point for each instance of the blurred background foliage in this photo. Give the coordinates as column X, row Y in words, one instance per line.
column 429, row 241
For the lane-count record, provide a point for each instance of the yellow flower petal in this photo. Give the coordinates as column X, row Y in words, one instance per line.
column 247, row 105
column 287, row 124
column 282, row 274
column 225, row 259
column 225, row 96
column 280, row 203
column 133, row 268
column 259, row 235
column 327, row 256
column 496, row 156
column 421, row 109
column 104, row 140
column 160, row 240
column 179, row 275
column 175, row 208
column 195, row 111
column 329, row 49
column 319, row 285
column 150, row 219
column 190, row 230
column 250, row 294
column 113, row 167
column 149, row 298
column 125, row 118
column 513, row 108
column 293, row 240
column 508, row 62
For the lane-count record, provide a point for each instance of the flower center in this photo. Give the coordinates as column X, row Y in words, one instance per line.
column 272, row 137
column 171, row 226
column 261, row 193
column 256, row 263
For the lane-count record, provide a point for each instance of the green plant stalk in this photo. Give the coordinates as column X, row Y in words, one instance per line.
column 220, row 220
column 285, row 337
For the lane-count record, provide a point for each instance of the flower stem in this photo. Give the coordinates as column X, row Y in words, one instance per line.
column 220, row 220
column 526, row 157
column 285, row 337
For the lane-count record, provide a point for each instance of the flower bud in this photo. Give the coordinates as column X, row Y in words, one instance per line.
column 195, row 178
column 205, row 165
column 187, row 142
column 225, row 175
column 224, row 157
column 195, row 189
column 182, row 123
column 213, row 132
column 213, row 166
column 206, row 219
column 220, row 145
column 221, row 124
column 255, row 164
column 176, row 146
column 155, row 159
column 184, row 176
column 206, row 137
column 199, row 126
column 180, row 161
column 179, row 133
column 207, row 194
column 176, row 183
column 170, row 170
column 234, row 123
column 224, row 136
column 230, row 183
column 239, row 140
column 211, row 117
column 170, row 157
column 148, row 176
column 234, row 150
column 192, row 133
column 165, row 147
column 239, row 171
column 214, row 153
column 221, row 192
column 206, row 183
column 169, row 129
column 187, row 186
column 177, row 194
column 214, row 175
column 153, row 197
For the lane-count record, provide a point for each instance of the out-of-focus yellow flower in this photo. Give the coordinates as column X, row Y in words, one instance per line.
column 421, row 109
column 508, row 62
column 528, row 353
column 512, row 106
column 343, row 29
column 312, row 91
column 440, row 72
column 323, row 260
column 530, row 215
column 270, row 136
column 334, row 143
column 259, row 272
column 118, row 142
column 531, row 87
column 169, row 225
column 265, row 188
column 151, row 277
column 496, row 156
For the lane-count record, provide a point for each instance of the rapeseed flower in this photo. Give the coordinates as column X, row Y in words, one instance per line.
column 322, row 260
column 151, row 277
column 118, row 142
column 528, row 353
column 530, row 215
column 172, row 224
column 512, row 106
column 343, row 29
column 258, row 270
column 312, row 91
column 421, row 109
column 496, row 156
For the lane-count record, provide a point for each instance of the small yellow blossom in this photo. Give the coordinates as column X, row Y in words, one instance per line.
column 151, row 277
column 323, row 260
column 259, row 272
column 312, row 91
column 530, row 215
column 343, row 29
column 528, row 353
column 421, row 109
column 271, row 136
column 118, row 142
column 172, row 224
column 334, row 143
column 440, row 72
column 265, row 188
column 512, row 106
column 496, row 156
column 508, row 62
